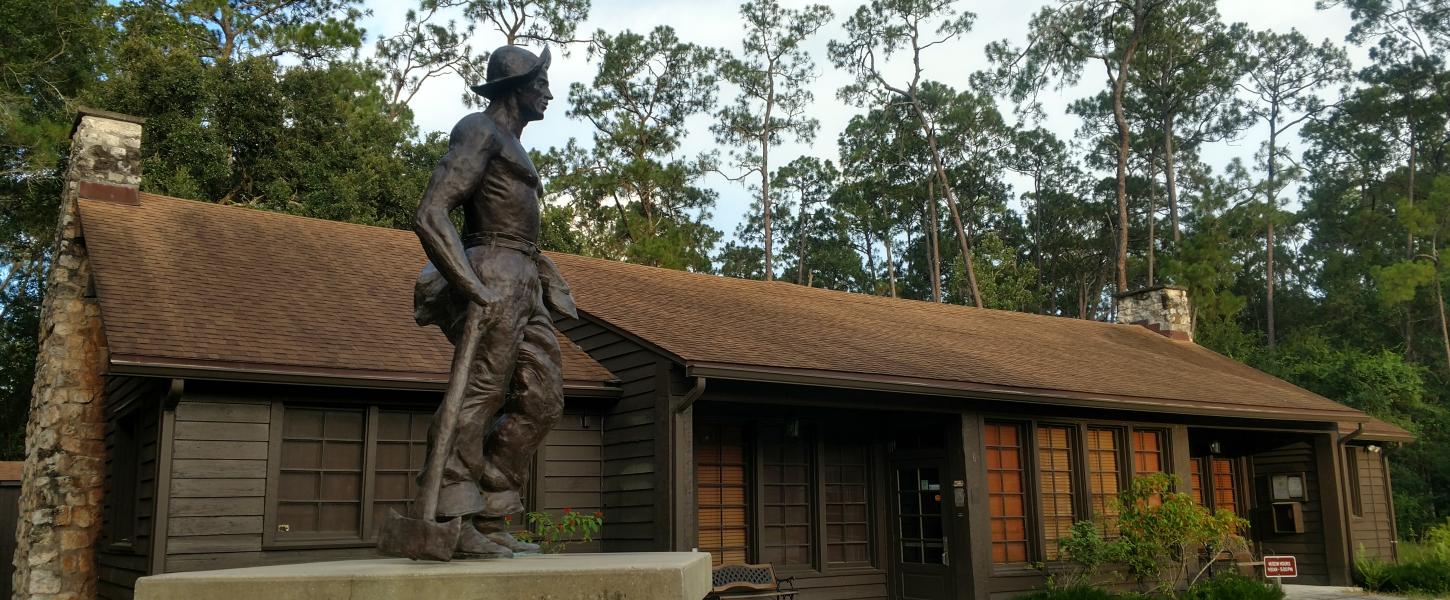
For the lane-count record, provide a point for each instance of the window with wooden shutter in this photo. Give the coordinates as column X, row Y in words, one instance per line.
column 720, row 488
column 785, row 505
column 1055, row 486
column 321, row 481
column 402, row 443
column 1104, row 471
column 1006, row 494
column 1195, row 481
column 1225, row 485
column 1147, row 452
column 848, row 512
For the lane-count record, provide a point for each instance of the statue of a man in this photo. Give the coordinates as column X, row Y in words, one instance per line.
column 490, row 290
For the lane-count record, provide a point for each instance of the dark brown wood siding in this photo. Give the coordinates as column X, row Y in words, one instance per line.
column 218, row 480
column 635, row 515
column 1307, row 547
column 1372, row 531
column 573, row 469
column 9, row 517
column 132, row 447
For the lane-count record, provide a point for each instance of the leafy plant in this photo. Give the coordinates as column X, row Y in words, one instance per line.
column 1163, row 531
column 1373, row 572
column 1233, row 587
column 1076, row 592
column 1088, row 552
column 553, row 536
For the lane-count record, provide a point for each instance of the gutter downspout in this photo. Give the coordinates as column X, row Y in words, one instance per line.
column 691, row 396
column 1358, row 431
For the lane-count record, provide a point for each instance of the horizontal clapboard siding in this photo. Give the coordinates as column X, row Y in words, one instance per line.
column 1372, row 532
column 573, row 469
column 629, row 443
column 1307, row 547
column 218, row 483
column 130, row 402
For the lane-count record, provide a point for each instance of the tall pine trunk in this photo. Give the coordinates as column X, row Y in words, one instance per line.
column 800, row 272
column 1120, row 85
column 951, row 197
column 935, row 242
column 1269, row 210
column 890, row 263
column 1170, row 178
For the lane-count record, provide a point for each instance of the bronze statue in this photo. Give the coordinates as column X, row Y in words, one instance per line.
column 490, row 291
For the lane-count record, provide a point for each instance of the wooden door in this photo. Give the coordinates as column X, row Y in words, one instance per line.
column 921, row 565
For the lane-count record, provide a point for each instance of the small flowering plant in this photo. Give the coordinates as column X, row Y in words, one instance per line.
column 554, row 536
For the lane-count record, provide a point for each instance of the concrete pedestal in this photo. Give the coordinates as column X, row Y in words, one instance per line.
column 618, row 576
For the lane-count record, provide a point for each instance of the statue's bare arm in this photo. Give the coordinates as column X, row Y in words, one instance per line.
column 455, row 180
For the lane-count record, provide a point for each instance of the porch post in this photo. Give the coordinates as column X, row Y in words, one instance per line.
column 970, row 524
column 1330, row 464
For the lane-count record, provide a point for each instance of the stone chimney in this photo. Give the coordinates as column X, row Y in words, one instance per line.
column 64, row 473
column 1163, row 309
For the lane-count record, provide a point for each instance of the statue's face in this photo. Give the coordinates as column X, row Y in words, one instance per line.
column 534, row 97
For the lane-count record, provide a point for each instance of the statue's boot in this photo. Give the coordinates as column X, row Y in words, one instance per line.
column 474, row 544
column 496, row 530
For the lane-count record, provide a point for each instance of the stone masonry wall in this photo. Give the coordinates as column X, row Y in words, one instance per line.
column 1163, row 309
column 64, row 473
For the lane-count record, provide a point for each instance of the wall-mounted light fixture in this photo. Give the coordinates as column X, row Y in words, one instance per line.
column 1374, row 448
column 793, row 428
column 1215, row 447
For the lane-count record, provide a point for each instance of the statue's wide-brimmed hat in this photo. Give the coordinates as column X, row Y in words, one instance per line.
column 510, row 67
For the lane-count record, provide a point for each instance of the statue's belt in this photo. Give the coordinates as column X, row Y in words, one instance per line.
column 501, row 240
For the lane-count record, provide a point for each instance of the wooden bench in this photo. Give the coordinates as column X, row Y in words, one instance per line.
column 741, row 581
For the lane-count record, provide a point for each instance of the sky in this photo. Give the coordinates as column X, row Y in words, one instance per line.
column 438, row 104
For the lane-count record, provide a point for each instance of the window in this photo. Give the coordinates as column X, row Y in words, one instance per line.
column 720, row 482
column 402, row 445
column 1195, row 483
column 1351, row 463
column 786, row 484
column 848, row 525
column 321, row 481
column 338, row 471
column 1147, row 452
column 1055, row 485
column 1104, row 477
column 1225, row 485
column 1006, row 496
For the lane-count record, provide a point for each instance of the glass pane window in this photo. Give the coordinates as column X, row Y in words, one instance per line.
column 786, row 483
column 921, row 534
column 1104, row 471
column 847, row 509
column 1225, row 485
column 320, row 487
column 1147, row 452
column 1195, row 481
column 1055, row 486
column 402, row 443
column 720, row 492
column 1006, row 495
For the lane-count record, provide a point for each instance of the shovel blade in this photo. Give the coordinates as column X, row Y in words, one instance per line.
column 419, row 539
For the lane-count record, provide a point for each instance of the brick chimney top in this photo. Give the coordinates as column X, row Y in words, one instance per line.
column 1163, row 309
column 106, row 155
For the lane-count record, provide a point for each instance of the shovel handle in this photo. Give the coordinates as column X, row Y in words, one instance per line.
column 447, row 421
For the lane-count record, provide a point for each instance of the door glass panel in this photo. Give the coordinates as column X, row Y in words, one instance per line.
column 919, row 514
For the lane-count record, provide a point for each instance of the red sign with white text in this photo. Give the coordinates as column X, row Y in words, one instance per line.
column 1280, row 566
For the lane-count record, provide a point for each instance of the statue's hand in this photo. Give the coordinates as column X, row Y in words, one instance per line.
column 483, row 296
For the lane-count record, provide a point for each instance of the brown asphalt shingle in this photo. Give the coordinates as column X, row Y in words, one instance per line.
column 238, row 287
column 235, row 287
column 703, row 319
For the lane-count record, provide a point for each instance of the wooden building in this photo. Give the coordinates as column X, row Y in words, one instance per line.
column 269, row 392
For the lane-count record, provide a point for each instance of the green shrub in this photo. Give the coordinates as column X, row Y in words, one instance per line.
column 1087, row 552
column 1425, row 576
column 1233, row 587
column 1373, row 572
column 1077, row 592
column 1163, row 531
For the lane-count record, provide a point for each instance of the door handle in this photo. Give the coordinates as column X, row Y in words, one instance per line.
column 946, row 552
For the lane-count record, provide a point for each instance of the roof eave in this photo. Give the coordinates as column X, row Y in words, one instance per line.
column 149, row 366
column 962, row 389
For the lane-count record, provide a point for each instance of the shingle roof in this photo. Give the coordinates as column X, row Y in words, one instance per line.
column 719, row 324
column 230, row 288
